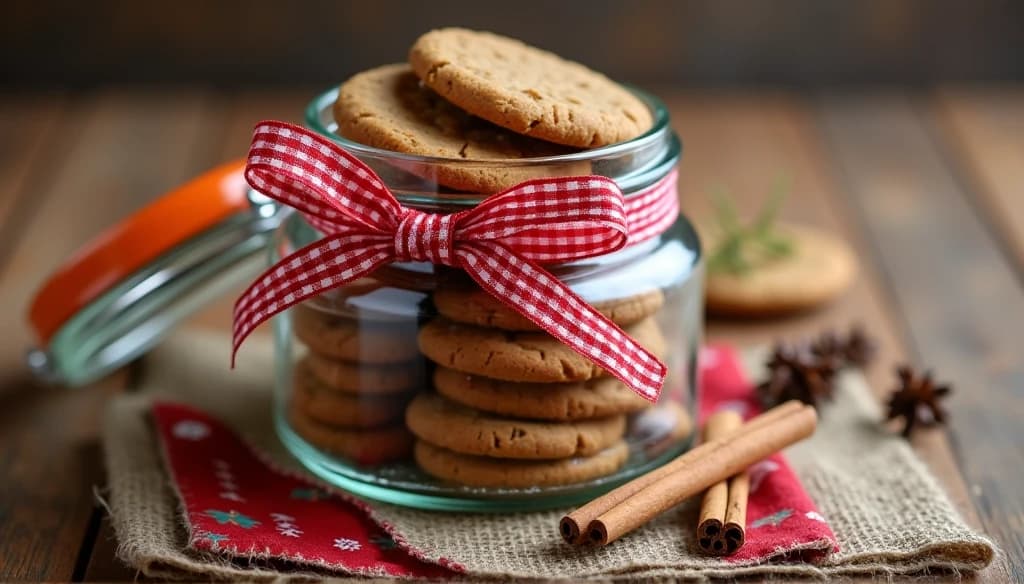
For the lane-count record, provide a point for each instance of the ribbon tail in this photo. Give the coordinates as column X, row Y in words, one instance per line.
column 321, row 266
column 551, row 305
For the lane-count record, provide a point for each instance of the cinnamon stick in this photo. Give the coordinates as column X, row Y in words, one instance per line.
column 573, row 526
column 718, row 531
column 747, row 446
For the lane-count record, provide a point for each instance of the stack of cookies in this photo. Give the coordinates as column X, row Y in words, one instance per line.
column 514, row 407
column 353, row 383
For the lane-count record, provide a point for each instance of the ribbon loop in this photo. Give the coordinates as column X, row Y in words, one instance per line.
column 497, row 243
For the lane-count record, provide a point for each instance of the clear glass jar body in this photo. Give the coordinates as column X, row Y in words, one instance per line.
column 414, row 387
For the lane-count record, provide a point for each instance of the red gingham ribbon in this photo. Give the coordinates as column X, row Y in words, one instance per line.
column 498, row 242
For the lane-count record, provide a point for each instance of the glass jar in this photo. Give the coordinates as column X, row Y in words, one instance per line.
column 413, row 386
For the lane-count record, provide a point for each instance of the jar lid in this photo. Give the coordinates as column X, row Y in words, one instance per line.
column 119, row 294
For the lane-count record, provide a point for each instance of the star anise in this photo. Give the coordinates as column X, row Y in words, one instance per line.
column 794, row 372
column 916, row 400
column 855, row 349
column 860, row 349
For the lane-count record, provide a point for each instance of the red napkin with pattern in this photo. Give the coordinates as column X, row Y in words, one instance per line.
column 237, row 505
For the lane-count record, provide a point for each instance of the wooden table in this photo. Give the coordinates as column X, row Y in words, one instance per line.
column 926, row 186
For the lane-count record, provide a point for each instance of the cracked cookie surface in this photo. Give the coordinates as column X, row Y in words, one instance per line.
column 481, row 471
column 527, row 90
column 449, row 425
column 595, row 398
column 519, row 355
column 389, row 108
column 468, row 303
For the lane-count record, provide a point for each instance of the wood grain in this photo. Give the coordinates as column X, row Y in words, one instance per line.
column 27, row 124
column 958, row 295
column 910, row 184
column 116, row 151
column 984, row 130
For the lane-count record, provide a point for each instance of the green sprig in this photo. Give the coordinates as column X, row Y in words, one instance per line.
column 743, row 247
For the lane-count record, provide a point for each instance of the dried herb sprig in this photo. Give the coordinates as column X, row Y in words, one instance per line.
column 742, row 247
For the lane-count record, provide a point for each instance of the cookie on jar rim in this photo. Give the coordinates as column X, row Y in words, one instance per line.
column 444, row 423
column 527, row 90
column 483, row 471
column 519, row 355
column 388, row 108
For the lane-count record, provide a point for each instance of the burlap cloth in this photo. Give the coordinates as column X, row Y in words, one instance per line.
column 888, row 513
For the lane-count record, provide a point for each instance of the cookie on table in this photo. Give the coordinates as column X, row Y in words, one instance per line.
column 349, row 339
column 594, row 398
column 449, row 425
column 527, row 90
column 319, row 402
column 363, row 446
column 519, row 355
column 482, row 471
column 361, row 378
column 388, row 108
column 468, row 303
column 819, row 269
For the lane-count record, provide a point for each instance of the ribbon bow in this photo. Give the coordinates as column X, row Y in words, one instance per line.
column 498, row 243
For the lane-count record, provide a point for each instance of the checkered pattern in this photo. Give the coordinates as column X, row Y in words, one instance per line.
column 499, row 243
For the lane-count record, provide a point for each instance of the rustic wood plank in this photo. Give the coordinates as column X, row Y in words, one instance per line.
column 959, row 297
column 27, row 124
column 745, row 144
column 116, row 151
column 984, row 129
column 103, row 565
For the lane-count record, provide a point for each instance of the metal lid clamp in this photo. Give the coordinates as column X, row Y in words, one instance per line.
column 124, row 291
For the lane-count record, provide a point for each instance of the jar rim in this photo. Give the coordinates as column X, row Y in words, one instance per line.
column 319, row 117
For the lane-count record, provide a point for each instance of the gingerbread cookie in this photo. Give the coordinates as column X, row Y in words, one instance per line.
column 349, row 377
column 389, row 108
column 467, row 303
column 447, row 424
column 594, row 398
column 359, row 340
column 319, row 402
column 527, row 90
column 820, row 267
column 516, row 355
column 362, row 446
column 481, row 471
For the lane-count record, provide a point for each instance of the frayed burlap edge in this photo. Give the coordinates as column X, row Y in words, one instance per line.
column 147, row 519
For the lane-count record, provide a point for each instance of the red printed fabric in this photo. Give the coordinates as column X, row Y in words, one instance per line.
column 500, row 243
column 239, row 506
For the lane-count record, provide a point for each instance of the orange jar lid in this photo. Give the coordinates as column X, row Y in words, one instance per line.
column 122, row 283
